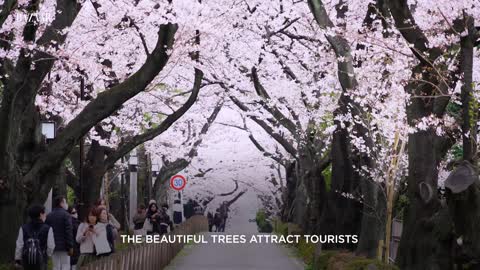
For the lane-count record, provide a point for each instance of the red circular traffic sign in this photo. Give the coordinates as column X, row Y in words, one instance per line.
column 178, row 182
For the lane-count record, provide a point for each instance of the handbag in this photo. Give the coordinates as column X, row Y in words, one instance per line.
column 147, row 225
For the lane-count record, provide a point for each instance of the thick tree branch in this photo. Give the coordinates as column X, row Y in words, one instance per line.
column 106, row 103
column 127, row 146
column 277, row 114
column 171, row 168
column 7, row 8
column 469, row 113
column 278, row 137
column 412, row 33
column 231, row 192
column 232, row 201
column 265, row 152
column 193, row 152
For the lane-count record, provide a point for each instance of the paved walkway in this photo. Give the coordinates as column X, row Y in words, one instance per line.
column 235, row 257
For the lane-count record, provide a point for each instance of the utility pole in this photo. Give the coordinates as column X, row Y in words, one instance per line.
column 123, row 217
column 81, row 201
column 149, row 180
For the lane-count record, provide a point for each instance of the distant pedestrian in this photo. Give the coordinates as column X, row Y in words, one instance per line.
column 153, row 216
column 76, row 246
column 177, row 212
column 217, row 220
column 223, row 215
column 35, row 241
column 198, row 210
column 61, row 222
column 210, row 221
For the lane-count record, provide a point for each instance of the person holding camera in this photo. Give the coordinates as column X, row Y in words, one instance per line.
column 85, row 237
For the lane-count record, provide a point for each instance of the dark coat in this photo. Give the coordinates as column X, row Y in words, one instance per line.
column 160, row 222
column 61, row 222
column 210, row 218
column 76, row 246
column 41, row 229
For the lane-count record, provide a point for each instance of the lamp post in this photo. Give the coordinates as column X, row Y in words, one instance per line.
column 49, row 130
column 123, row 218
column 133, row 191
column 81, row 152
column 155, row 170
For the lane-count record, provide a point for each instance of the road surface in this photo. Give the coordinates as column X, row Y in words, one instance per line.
column 235, row 257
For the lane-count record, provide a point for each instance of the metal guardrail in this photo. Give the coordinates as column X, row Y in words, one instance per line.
column 149, row 256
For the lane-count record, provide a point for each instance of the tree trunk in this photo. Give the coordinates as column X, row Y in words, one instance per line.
column 12, row 216
column 373, row 218
column 143, row 177
column 92, row 177
column 289, row 195
column 423, row 246
column 341, row 214
column 16, row 158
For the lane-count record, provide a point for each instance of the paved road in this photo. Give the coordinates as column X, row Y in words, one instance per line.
column 235, row 257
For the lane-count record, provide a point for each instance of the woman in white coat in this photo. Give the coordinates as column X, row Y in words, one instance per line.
column 86, row 234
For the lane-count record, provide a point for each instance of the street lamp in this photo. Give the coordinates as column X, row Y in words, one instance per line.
column 133, row 158
column 48, row 130
column 155, row 169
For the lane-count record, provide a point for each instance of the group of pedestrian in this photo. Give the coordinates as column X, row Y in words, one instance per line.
column 152, row 220
column 219, row 219
column 70, row 242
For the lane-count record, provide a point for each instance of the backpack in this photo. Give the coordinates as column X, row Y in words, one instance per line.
column 33, row 254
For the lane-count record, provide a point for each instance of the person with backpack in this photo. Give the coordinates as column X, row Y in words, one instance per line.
column 35, row 241
column 61, row 222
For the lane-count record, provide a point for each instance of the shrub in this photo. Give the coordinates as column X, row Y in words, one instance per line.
column 306, row 250
column 280, row 227
column 264, row 226
column 341, row 260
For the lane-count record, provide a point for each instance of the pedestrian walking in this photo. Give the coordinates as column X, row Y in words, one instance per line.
column 35, row 241
column 210, row 221
column 223, row 215
column 217, row 221
column 61, row 222
column 177, row 211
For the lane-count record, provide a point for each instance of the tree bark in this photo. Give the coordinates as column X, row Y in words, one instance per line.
column 342, row 213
